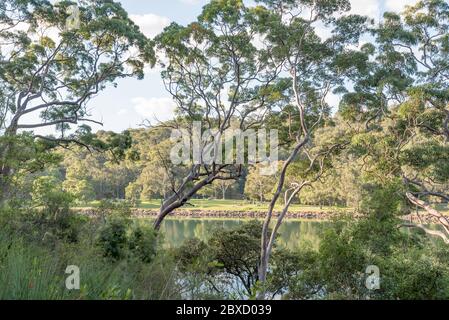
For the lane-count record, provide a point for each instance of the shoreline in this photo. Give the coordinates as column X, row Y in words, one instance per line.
column 237, row 215
column 222, row 214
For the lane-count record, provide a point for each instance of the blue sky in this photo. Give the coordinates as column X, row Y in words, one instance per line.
column 133, row 101
column 182, row 11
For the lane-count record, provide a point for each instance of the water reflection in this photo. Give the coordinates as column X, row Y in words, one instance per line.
column 293, row 233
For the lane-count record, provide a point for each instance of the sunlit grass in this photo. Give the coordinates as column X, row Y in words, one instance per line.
column 246, row 206
column 230, row 205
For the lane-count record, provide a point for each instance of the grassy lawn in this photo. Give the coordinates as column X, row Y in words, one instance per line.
column 235, row 205
column 243, row 205
column 230, row 205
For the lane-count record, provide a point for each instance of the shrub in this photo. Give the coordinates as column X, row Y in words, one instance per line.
column 191, row 255
column 47, row 218
column 47, row 192
column 112, row 238
column 142, row 242
column 29, row 271
column 114, row 208
column 225, row 266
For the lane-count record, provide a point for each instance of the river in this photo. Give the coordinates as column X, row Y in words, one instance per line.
column 293, row 233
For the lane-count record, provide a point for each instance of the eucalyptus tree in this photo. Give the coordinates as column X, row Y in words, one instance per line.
column 312, row 68
column 258, row 186
column 50, row 70
column 219, row 78
column 407, row 140
column 423, row 37
column 219, row 189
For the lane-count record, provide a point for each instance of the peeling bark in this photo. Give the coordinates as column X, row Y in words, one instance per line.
column 422, row 204
column 430, row 232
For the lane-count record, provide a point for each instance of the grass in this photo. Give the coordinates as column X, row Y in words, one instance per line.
column 232, row 205
column 248, row 206
column 37, row 271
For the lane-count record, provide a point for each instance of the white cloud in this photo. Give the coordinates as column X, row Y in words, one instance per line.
column 370, row 8
column 150, row 24
column 258, row 41
column 154, row 109
column 122, row 112
column 374, row 8
column 398, row 5
column 322, row 31
column 333, row 100
column 191, row 2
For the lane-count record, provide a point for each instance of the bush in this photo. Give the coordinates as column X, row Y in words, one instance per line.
column 112, row 238
column 133, row 192
column 191, row 255
column 225, row 266
column 120, row 238
column 114, row 208
column 28, row 271
column 237, row 253
column 410, row 267
column 47, row 192
column 47, row 218
column 142, row 242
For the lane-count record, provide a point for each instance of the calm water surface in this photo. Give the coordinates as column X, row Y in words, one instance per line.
column 293, row 233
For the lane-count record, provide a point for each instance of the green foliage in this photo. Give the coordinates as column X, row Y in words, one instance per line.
column 286, row 268
column 33, row 266
column 191, row 255
column 52, row 220
column 114, row 209
column 51, row 76
column 112, row 238
column 408, row 269
column 142, row 242
column 259, row 187
column 41, row 227
column 393, row 118
column 229, row 260
column 47, row 192
column 38, row 58
column 119, row 237
column 34, row 272
column 133, row 194
column 384, row 200
column 410, row 265
column 238, row 251
column 415, row 275
column 430, row 158
column 22, row 155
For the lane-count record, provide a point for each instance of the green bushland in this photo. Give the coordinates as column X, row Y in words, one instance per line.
column 118, row 258
column 123, row 258
column 243, row 205
column 411, row 265
column 228, row 205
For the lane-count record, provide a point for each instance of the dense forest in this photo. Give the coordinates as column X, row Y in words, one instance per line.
column 96, row 175
column 382, row 151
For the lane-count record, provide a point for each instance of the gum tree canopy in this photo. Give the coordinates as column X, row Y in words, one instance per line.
column 404, row 100
column 49, row 71
column 313, row 67
column 217, row 76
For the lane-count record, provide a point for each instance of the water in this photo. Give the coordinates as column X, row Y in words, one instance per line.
column 293, row 233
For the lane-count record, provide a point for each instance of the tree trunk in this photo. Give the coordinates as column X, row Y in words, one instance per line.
column 265, row 244
column 176, row 201
column 4, row 186
column 6, row 170
column 442, row 219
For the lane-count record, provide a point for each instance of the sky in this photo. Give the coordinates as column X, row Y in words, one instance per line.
column 135, row 101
